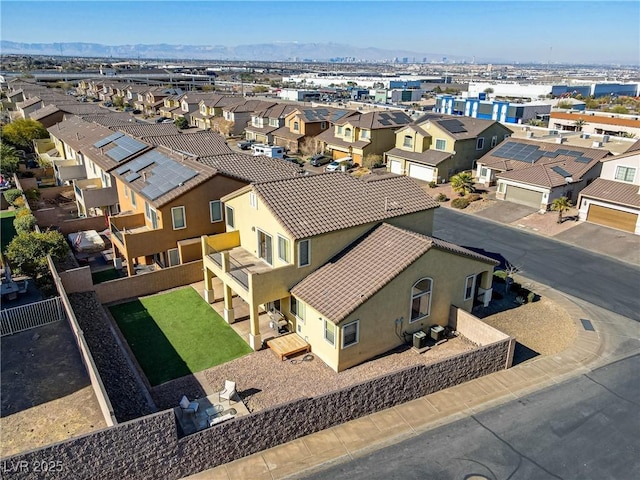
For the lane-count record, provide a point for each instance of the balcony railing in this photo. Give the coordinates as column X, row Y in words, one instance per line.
column 117, row 233
column 240, row 273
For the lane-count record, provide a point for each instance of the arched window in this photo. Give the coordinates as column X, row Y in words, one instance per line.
column 296, row 126
column 347, row 132
column 421, row 299
column 408, row 141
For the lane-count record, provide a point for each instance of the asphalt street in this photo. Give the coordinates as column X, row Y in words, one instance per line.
column 603, row 281
column 585, row 428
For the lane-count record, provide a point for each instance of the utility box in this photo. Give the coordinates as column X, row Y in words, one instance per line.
column 419, row 339
column 437, row 332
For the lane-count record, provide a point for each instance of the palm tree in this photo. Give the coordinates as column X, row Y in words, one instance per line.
column 561, row 205
column 579, row 124
column 463, row 183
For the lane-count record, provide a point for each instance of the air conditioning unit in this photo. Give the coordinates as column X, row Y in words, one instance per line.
column 596, row 144
column 437, row 332
column 419, row 339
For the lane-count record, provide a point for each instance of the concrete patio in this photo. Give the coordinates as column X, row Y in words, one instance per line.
column 210, row 408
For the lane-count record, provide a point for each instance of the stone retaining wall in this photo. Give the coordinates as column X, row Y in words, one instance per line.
column 150, row 447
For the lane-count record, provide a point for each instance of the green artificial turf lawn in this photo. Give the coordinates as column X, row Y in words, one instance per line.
column 7, row 232
column 104, row 275
column 176, row 334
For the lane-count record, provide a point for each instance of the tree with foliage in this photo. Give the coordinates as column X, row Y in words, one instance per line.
column 534, row 122
column 488, row 90
column 260, row 89
column 310, row 146
column 371, row 159
column 24, row 223
column 9, row 160
column 579, row 123
column 565, row 105
column 463, row 183
column 11, row 195
column 619, row 109
column 561, row 205
column 22, row 132
column 118, row 101
column 28, row 252
column 181, row 123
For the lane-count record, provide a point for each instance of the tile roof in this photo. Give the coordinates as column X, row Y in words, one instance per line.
column 428, row 157
column 458, row 127
column 550, row 174
column 44, row 112
column 315, row 204
column 160, row 166
column 252, row 169
column 621, row 193
column 146, row 130
column 199, row 143
column 110, row 119
column 284, row 132
column 279, row 110
column 502, row 158
column 323, row 114
column 248, row 106
column 29, row 102
column 377, row 120
column 330, row 289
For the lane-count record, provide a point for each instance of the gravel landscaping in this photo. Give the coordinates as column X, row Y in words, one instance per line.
column 123, row 388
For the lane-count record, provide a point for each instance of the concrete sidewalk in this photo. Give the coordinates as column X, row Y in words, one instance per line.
column 358, row 437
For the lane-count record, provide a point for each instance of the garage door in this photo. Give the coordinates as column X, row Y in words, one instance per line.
column 396, row 167
column 610, row 217
column 337, row 154
column 523, row 196
column 421, row 172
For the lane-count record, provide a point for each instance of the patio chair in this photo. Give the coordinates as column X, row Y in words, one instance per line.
column 187, row 406
column 229, row 391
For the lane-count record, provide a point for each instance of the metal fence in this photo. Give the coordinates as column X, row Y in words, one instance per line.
column 25, row 317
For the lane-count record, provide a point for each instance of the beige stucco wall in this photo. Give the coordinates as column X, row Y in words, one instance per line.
column 377, row 317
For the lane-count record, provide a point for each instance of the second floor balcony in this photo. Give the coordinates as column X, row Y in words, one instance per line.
column 67, row 170
column 131, row 235
column 92, row 194
column 250, row 276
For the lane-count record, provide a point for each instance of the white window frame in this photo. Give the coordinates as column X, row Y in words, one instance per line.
column 414, row 296
column 219, row 204
column 494, row 141
column 444, row 141
column 264, row 259
column 348, row 132
column 626, row 172
column 365, row 134
column 407, row 141
column 355, row 342
column 253, row 200
column 134, row 202
column 480, row 143
column 169, row 262
column 228, row 209
column 283, row 253
column 184, row 217
column 339, row 130
column 308, row 243
column 299, row 311
column 469, row 289
column 331, row 341
column 323, row 125
column 502, row 187
column 296, row 126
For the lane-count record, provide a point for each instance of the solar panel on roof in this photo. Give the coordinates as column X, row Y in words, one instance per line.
column 561, row 171
column 583, row 159
column 109, row 139
column 132, row 176
column 118, row 154
column 453, row 126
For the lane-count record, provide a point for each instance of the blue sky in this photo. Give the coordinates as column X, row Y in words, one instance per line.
column 523, row 30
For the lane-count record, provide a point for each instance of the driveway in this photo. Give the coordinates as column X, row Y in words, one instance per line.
column 505, row 212
column 624, row 246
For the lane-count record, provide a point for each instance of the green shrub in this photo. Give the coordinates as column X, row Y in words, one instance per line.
column 12, row 194
column 25, row 223
column 500, row 275
column 22, row 212
column 441, row 197
column 19, row 202
column 32, row 194
column 460, row 203
column 432, row 184
column 474, row 197
column 531, row 297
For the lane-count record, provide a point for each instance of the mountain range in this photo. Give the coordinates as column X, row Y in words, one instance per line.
column 273, row 52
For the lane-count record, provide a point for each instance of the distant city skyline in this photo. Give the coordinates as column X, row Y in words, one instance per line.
column 518, row 31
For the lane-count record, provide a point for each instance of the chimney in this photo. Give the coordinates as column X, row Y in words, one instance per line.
column 144, row 176
column 561, row 140
column 530, row 134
